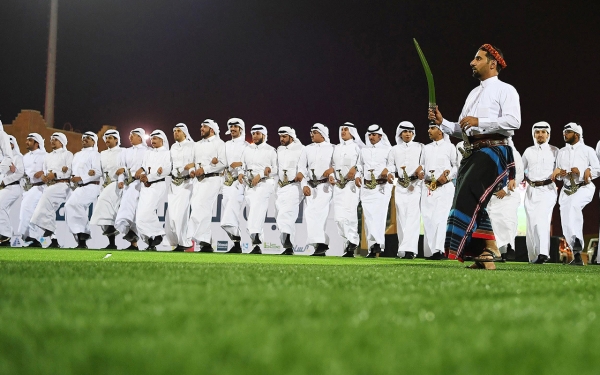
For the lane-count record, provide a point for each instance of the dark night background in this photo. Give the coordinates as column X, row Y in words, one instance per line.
column 154, row 63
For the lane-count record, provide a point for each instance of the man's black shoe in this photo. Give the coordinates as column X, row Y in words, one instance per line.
column 111, row 247
column 256, row 250
column 348, row 254
column 179, row 248
column 151, row 248
column 320, row 250
column 35, row 243
column 81, row 245
column 408, row 255
column 436, row 256
column 256, row 240
column 5, row 244
column 577, row 261
column 374, row 251
column 287, row 243
column 288, row 252
column 131, row 247
column 4, row 238
column 130, row 236
column 54, row 244
column 207, row 248
column 577, row 246
column 155, row 241
column 235, row 249
column 541, row 259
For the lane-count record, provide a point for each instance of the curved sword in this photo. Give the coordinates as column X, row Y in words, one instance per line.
column 430, row 84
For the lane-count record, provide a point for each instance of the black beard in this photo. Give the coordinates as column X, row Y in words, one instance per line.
column 258, row 142
column 476, row 74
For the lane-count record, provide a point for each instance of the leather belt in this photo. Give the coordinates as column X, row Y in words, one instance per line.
column 90, row 183
column 37, row 184
column 149, row 183
column 578, row 185
column 315, row 183
column 379, row 181
column 481, row 143
column 215, row 174
column 410, row 178
column 63, row 180
column 538, row 183
column 12, row 183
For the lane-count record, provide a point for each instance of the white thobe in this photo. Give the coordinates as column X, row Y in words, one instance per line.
column 33, row 162
column 10, row 194
column 495, row 104
column 317, row 157
column 107, row 206
column 151, row 197
column 375, row 202
column 571, row 206
column 256, row 159
column 44, row 215
column 504, row 212
column 207, row 190
column 233, row 196
column 5, row 151
column 178, row 212
column 437, row 156
column 132, row 159
column 346, row 155
column 79, row 201
column 539, row 162
column 289, row 197
column 407, row 199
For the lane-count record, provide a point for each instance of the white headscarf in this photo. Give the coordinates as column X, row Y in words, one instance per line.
column 114, row 133
column 13, row 141
column 183, row 127
column 38, row 138
column 542, row 125
column 239, row 122
column 404, row 125
column 574, row 127
column 139, row 131
column 1, row 127
column 376, row 129
column 289, row 131
column 213, row 125
column 353, row 132
column 161, row 134
column 92, row 135
column 261, row 129
column 61, row 137
column 321, row 129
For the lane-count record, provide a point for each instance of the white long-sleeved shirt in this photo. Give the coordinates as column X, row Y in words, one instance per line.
column 287, row 159
column 182, row 154
column 345, row 156
column 111, row 161
column 56, row 160
column 5, row 151
column 257, row 158
column 539, row 161
column 374, row 157
column 317, row 156
column 10, row 177
column 578, row 155
column 207, row 149
column 154, row 159
column 84, row 161
column 405, row 154
column 234, row 149
column 439, row 156
column 34, row 162
column 495, row 104
column 132, row 159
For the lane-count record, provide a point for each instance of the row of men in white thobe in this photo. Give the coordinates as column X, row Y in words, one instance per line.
column 320, row 173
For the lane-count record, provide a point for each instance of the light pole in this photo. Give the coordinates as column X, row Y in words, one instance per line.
column 51, row 70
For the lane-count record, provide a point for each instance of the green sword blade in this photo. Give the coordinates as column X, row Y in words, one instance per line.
column 428, row 74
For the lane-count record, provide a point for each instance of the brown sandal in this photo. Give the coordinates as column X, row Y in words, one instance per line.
column 487, row 255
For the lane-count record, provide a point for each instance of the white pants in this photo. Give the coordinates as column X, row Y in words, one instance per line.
column 571, row 212
column 8, row 197
column 287, row 207
column 44, row 215
column 539, row 204
column 28, row 204
column 77, row 208
column 125, row 220
column 204, row 198
column 107, row 206
column 504, row 218
column 257, row 203
column 316, row 213
column 231, row 208
column 146, row 215
column 375, row 203
column 345, row 204
column 178, row 213
column 408, row 216
column 435, row 207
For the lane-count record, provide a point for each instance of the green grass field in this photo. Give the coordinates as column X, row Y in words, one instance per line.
column 73, row 312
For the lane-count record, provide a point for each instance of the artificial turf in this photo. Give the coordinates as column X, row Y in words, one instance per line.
column 77, row 312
